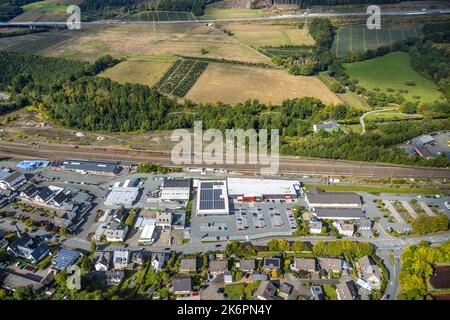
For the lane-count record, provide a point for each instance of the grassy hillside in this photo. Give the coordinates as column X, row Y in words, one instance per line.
column 392, row 71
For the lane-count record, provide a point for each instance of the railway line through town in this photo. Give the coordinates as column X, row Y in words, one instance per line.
column 288, row 165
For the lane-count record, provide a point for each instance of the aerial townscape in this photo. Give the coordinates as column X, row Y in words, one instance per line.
column 95, row 203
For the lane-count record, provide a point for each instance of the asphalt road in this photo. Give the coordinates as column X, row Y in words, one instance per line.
column 288, row 165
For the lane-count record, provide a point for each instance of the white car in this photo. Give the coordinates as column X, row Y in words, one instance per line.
column 447, row 205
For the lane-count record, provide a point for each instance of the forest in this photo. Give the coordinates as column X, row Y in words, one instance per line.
column 417, row 267
column 61, row 88
column 11, row 8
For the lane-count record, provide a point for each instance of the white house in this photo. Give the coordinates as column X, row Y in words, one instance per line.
column 102, row 260
column 121, row 259
column 157, row 260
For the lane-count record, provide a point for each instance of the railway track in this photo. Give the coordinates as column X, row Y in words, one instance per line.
column 288, row 165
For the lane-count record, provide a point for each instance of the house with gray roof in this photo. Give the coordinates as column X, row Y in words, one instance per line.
column 217, row 267
column 157, row 260
column 331, row 264
column 304, row 264
column 13, row 181
column 182, row 285
column 329, row 126
column 346, row 290
column 102, row 260
column 271, row 264
column 247, row 265
column 370, row 272
column 266, row 291
column 188, row 265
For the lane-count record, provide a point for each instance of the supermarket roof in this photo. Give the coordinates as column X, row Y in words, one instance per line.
column 250, row 186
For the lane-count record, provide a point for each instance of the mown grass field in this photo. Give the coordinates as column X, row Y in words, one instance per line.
column 232, row 13
column 123, row 41
column 392, row 71
column 259, row 35
column 234, row 84
column 46, row 7
column 387, row 116
column 150, row 16
column 142, row 70
column 376, row 190
column 360, row 39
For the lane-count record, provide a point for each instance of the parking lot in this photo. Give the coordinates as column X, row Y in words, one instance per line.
column 245, row 220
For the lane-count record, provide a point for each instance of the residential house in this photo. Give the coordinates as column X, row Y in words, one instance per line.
column 346, row 290
column 27, row 247
column 217, row 267
column 121, row 259
column 315, row 227
column 345, row 229
column 286, row 290
column 13, row 181
column 266, row 291
column 102, row 260
column 116, row 232
column 317, row 293
column 44, row 195
column 137, row 259
column 157, row 260
column 29, row 192
column 271, row 264
column 182, row 285
column 329, row 126
column 370, row 271
column 304, row 264
column 331, row 264
column 114, row 277
column 247, row 265
column 188, row 264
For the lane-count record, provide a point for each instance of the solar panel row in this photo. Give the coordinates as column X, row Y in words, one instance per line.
column 210, row 198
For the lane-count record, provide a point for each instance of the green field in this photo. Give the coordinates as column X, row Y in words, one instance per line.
column 215, row 13
column 376, row 190
column 360, row 39
column 284, row 51
column 386, row 116
column 392, row 71
column 160, row 16
column 45, row 7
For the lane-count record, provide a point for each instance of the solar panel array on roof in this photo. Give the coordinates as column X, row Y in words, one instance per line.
column 64, row 259
column 210, row 198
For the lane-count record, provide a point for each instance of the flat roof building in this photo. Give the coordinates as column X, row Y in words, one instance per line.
column 122, row 195
column 212, row 198
column 318, row 198
column 249, row 189
column 147, row 235
column 339, row 213
column 176, row 189
column 93, row 167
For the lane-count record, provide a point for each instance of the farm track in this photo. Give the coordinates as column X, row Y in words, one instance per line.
column 288, row 165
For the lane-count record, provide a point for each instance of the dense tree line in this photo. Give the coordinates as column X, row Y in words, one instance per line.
column 346, row 248
column 427, row 224
column 62, row 88
column 11, row 8
column 309, row 3
column 197, row 7
column 417, row 267
column 311, row 60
